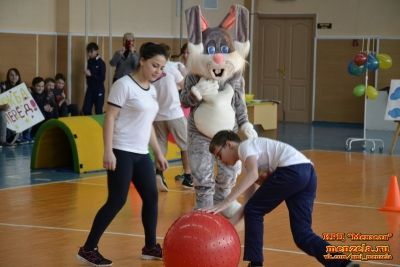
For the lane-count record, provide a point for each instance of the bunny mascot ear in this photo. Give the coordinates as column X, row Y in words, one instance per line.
column 196, row 24
column 238, row 17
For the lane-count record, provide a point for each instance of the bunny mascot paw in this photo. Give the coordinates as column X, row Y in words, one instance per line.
column 248, row 130
column 205, row 87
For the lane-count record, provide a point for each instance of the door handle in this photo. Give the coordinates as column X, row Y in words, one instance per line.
column 282, row 72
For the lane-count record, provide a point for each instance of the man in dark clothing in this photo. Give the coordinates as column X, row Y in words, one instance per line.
column 95, row 76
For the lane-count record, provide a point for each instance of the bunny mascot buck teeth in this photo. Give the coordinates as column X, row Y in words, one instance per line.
column 214, row 90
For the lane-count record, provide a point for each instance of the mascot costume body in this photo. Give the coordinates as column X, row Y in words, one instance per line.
column 214, row 90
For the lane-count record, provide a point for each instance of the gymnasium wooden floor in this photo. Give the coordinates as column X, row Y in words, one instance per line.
column 43, row 225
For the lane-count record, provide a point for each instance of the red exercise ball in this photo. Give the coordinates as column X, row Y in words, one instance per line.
column 201, row 239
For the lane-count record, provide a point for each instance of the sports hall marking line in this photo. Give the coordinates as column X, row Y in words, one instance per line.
column 350, row 152
column 344, row 205
column 176, row 191
column 83, row 183
column 283, row 250
column 158, row 237
column 104, row 185
column 69, row 229
column 316, row 202
column 50, row 183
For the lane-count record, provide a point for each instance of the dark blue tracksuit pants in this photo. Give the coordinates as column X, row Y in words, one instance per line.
column 296, row 185
column 93, row 97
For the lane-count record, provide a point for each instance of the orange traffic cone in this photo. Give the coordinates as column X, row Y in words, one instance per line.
column 393, row 197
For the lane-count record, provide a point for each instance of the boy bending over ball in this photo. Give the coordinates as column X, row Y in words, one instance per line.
column 287, row 176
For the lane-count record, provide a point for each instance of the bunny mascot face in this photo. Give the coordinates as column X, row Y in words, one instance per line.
column 214, row 90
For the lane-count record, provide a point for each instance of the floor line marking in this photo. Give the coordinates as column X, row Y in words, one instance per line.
column 192, row 191
column 344, row 205
column 51, row 183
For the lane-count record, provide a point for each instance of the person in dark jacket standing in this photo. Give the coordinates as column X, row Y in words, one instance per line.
column 95, row 76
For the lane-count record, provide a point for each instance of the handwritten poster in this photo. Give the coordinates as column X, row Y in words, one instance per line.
column 393, row 104
column 23, row 112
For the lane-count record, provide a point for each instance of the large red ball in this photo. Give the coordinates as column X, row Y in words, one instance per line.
column 200, row 239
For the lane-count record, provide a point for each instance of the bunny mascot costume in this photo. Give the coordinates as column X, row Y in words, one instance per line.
column 214, row 90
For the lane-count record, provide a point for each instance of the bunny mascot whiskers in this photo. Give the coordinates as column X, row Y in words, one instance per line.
column 214, row 90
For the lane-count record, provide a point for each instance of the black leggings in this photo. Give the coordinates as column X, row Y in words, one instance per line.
column 138, row 169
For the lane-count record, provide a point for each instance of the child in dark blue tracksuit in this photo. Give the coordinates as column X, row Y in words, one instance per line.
column 95, row 76
column 286, row 175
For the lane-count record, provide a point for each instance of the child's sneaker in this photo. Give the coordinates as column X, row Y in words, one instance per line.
column 154, row 253
column 179, row 177
column 187, row 181
column 161, row 184
column 92, row 257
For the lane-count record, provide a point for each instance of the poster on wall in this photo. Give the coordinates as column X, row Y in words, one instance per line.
column 23, row 111
column 393, row 105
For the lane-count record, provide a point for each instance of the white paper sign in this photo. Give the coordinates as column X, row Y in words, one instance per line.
column 393, row 105
column 23, row 112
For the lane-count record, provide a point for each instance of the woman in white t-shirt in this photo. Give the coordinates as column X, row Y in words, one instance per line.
column 132, row 107
column 286, row 175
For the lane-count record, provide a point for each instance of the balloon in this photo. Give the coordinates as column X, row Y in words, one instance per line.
column 371, row 92
column 353, row 69
column 385, row 61
column 360, row 58
column 359, row 90
column 372, row 62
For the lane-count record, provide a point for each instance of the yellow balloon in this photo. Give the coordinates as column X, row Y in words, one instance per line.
column 385, row 61
column 371, row 92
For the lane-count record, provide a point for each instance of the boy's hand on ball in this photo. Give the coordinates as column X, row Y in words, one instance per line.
column 216, row 208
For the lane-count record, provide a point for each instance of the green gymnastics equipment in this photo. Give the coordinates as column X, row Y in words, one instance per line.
column 70, row 142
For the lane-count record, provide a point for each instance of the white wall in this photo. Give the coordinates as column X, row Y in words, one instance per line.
column 349, row 17
column 145, row 18
column 28, row 15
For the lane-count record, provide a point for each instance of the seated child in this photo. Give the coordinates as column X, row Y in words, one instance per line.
column 45, row 102
column 64, row 108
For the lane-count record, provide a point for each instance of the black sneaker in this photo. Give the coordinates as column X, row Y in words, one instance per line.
column 154, row 253
column 92, row 257
column 187, row 181
column 161, row 184
column 179, row 177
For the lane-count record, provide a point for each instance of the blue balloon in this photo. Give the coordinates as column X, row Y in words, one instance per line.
column 355, row 70
column 372, row 62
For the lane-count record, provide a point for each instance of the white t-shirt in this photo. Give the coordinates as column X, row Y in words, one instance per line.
column 168, row 94
column 132, row 128
column 178, row 65
column 270, row 154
